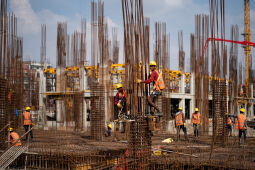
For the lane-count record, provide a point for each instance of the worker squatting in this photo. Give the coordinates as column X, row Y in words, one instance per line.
column 156, row 79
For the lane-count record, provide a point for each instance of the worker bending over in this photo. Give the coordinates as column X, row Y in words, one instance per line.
column 28, row 122
column 196, row 121
column 108, row 130
column 158, row 86
column 180, row 124
column 14, row 138
column 120, row 102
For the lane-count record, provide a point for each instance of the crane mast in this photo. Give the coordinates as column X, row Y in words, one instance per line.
column 247, row 48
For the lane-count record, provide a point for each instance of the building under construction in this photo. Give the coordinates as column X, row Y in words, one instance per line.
column 72, row 103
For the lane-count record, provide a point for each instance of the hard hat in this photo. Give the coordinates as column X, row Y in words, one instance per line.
column 10, row 129
column 242, row 110
column 180, row 108
column 196, row 110
column 110, row 125
column 28, row 108
column 226, row 113
column 153, row 63
column 119, row 86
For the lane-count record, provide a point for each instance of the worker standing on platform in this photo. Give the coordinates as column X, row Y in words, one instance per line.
column 120, row 102
column 14, row 138
column 28, row 122
column 158, row 86
column 196, row 121
column 180, row 124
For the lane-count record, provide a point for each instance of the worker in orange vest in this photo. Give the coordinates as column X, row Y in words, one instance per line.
column 14, row 138
column 241, row 124
column 28, row 122
column 158, row 86
column 196, row 121
column 180, row 124
column 229, row 124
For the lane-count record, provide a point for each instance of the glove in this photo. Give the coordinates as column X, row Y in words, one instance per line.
column 33, row 124
column 139, row 81
column 184, row 124
column 119, row 105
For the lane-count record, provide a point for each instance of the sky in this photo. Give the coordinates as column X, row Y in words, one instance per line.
column 178, row 15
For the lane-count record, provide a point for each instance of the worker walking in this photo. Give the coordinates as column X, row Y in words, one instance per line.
column 120, row 101
column 196, row 121
column 108, row 130
column 180, row 124
column 14, row 138
column 158, row 86
column 28, row 122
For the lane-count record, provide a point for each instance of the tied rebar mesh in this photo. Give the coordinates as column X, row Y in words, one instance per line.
column 3, row 114
column 97, row 111
column 219, row 110
column 140, row 143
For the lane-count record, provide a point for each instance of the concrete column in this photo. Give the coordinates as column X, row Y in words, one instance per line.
column 192, row 92
column 60, row 105
column 182, row 104
column 42, row 90
column 84, row 113
column 60, row 118
column 182, row 90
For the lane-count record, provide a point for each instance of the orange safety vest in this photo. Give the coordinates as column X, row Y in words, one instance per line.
column 124, row 93
column 159, row 83
column 15, row 139
column 229, row 121
column 179, row 119
column 27, row 118
column 196, row 118
column 240, row 122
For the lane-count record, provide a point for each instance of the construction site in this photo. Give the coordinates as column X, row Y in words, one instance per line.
column 75, row 121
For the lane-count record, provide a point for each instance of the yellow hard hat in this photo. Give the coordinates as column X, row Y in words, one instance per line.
column 180, row 108
column 153, row 63
column 242, row 110
column 119, row 86
column 110, row 125
column 226, row 113
column 28, row 108
column 196, row 110
column 10, row 129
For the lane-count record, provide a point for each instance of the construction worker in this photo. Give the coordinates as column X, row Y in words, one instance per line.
column 14, row 138
column 241, row 124
column 120, row 102
column 158, row 86
column 229, row 124
column 28, row 122
column 108, row 130
column 180, row 124
column 196, row 121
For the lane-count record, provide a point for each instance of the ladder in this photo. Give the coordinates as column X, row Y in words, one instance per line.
column 11, row 155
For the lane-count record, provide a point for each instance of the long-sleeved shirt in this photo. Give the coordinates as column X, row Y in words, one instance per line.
column 153, row 77
column 118, row 97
